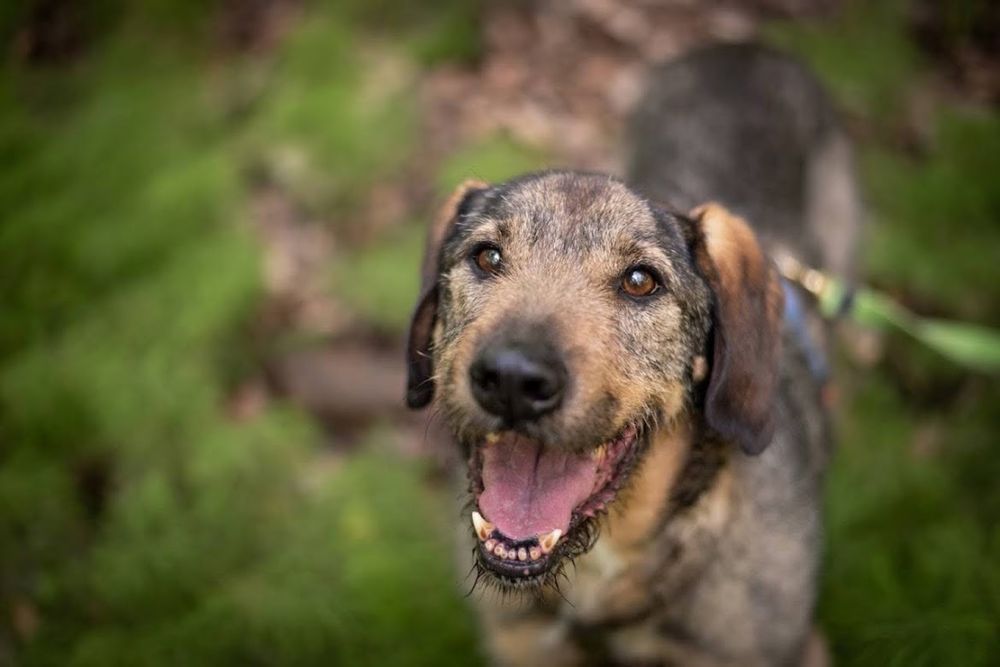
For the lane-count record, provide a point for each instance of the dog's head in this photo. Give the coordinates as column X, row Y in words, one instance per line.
column 563, row 320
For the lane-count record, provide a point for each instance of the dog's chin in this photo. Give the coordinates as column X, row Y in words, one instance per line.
column 535, row 505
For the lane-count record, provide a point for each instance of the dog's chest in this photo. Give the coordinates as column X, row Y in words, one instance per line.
column 606, row 585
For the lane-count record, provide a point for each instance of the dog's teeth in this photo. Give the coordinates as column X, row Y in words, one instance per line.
column 535, row 553
column 548, row 542
column 489, row 545
column 483, row 527
column 492, row 437
column 599, row 453
column 499, row 551
column 512, row 554
column 522, row 554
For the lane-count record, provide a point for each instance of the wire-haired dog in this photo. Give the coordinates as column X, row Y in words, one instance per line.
column 635, row 390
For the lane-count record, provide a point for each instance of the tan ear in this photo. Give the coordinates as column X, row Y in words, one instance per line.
column 420, row 367
column 746, row 338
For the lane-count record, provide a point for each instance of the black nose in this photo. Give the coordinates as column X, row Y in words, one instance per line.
column 519, row 382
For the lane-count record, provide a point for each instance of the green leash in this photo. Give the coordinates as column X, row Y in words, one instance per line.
column 970, row 345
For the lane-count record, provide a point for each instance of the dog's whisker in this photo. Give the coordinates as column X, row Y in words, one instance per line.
column 473, row 568
column 479, row 574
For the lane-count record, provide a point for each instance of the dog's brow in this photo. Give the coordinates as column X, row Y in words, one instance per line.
column 486, row 229
column 478, row 230
column 502, row 230
column 643, row 248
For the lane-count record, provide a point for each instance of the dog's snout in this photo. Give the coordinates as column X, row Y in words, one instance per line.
column 519, row 382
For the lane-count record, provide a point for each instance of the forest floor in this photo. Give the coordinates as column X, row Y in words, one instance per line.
column 209, row 246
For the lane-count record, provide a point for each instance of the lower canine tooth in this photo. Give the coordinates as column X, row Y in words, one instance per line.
column 483, row 527
column 548, row 542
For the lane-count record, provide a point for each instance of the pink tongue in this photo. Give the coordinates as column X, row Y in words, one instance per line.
column 529, row 490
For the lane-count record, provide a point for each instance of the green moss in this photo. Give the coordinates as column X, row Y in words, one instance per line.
column 336, row 117
column 329, row 587
column 453, row 36
column 495, row 159
column 936, row 217
column 382, row 280
column 136, row 516
column 910, row 573
column 864, row 55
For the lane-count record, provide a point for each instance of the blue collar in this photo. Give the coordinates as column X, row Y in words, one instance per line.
column 795, row 317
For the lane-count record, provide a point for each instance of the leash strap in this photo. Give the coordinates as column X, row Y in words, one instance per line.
column 973, row 346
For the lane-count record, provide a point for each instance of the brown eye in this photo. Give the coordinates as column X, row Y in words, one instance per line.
column 489, row 260
column 639, row 282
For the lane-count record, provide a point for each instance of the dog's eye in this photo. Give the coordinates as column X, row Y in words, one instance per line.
column 488, row 259
column 639, row 282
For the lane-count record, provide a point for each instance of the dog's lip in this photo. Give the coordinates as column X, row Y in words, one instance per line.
column 516, row 559
column 503, row 555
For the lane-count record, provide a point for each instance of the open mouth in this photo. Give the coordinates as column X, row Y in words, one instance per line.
column 536, row 505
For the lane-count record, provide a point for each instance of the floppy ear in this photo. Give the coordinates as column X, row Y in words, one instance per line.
column 420, row 367
column 749, row 304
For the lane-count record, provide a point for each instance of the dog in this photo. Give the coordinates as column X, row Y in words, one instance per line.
column 643, row 423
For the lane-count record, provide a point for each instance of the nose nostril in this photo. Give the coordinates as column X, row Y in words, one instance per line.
column 489, row 380
column 483, row 376
column 537, row 388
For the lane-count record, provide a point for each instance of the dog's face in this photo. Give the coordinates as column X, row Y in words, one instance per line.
column 564, row 320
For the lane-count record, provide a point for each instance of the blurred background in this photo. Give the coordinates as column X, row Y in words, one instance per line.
column 211, row 217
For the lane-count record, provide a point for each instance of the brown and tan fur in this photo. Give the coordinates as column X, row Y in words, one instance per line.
column 709, row 555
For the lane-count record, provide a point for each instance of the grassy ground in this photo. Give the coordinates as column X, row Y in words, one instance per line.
column 131, row 274
column 139, row 521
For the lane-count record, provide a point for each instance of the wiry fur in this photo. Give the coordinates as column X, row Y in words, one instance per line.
column 709, row 554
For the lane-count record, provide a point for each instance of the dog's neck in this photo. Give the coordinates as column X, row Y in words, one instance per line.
column 613, row 578
column 647, row 498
